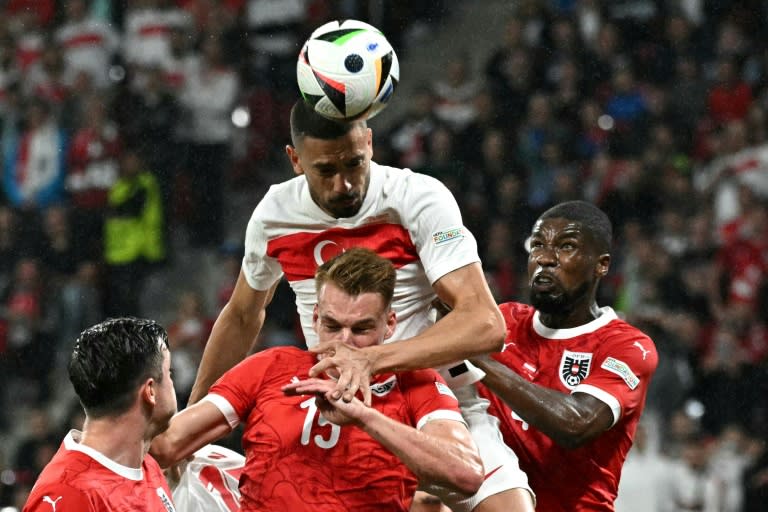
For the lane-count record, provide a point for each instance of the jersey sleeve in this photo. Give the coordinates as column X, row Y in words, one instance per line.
column 236, row 391
column 59, row 497
column 429, row 398
column 621, row 374
column 260, row 270
column 433, row 218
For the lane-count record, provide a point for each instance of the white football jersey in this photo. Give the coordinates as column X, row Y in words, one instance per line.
column 410, row 218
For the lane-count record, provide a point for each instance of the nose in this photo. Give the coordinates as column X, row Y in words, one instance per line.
column 341, row 183
column 345, row 336
column 546, row 257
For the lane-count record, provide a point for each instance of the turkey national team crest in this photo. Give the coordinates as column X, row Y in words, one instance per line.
column 574, row 367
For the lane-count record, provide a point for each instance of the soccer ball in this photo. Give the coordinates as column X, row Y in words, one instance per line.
column 347, row 70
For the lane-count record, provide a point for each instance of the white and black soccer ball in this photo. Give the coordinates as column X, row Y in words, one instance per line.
column 347, row 70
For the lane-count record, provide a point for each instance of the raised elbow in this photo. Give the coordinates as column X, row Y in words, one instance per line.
column 575, row 434
column 468, row 477
column 496, row 331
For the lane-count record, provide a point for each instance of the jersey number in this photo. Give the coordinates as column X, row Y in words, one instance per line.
column 309, row 421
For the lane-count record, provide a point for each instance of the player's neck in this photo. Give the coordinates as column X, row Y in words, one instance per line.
column 119, row 439
column 569, row 319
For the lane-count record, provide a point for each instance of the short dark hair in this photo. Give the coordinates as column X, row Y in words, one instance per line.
column 305, row 122
column 111, row 359
column 592, row 218
column 357, row 271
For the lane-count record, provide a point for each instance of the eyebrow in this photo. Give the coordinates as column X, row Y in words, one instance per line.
column 362, row 322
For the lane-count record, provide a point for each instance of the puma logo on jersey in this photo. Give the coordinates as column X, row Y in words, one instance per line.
column 507, row 345
column 47, row 499
column 642, row 349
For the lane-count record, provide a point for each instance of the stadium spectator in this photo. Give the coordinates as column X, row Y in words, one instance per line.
column 187, row 334
column 89, row 44
column 412, row 431
column 455, row 92
column 730, row 98
column 46, row 78
column 133, row 234
column 35, row 161
column 643, row 472
column 148, row 25
column 93, row 169
column 120, row 370
column 409, row 135
column 208, row 96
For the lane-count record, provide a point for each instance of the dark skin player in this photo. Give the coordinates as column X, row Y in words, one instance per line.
column 565, row 265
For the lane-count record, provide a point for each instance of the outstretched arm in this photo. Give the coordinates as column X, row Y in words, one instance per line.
column 190, row 430
column 570, row 420
column 442, row 452
column 233, row 335
column 474, row 326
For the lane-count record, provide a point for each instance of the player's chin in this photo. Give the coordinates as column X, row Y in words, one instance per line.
column 343, row 209
column 548, row 302
column 165, row 422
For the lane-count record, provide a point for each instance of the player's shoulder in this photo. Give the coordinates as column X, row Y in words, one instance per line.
column 58, row 494
column 515, row 308
column 515, row 312
column 414, row 377
column 620, row 339
column 621, row 332
column 281, row 194
column 279, row 360
column 405, row 180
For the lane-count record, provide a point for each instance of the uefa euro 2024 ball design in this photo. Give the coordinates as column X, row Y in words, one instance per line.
column 347, row 70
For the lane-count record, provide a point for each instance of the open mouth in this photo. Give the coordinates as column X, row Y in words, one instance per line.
column 543, row 282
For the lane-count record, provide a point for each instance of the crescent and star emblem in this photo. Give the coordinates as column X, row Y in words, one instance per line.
column 318, row 252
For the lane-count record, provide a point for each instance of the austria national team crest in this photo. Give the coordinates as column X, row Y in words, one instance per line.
column 574, row 367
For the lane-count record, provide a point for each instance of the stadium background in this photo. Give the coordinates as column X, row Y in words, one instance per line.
column 174, row 114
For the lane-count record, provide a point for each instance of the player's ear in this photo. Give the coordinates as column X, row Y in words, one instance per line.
column 369, row 141
column 603, row 264
column 315, row 316
column 391, row 324
column 293, row 156
column 149, row 391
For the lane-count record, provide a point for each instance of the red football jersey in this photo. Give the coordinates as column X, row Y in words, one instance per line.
column 606, row 358
column 80, row 479
column 296, row 460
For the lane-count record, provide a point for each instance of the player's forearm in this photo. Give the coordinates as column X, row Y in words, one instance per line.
column 556, row 414
column 451, row 463
column 461, row 334
column 231, row 339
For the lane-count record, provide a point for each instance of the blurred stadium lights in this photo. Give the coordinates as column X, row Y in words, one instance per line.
column 605, row 122
column 241, row 117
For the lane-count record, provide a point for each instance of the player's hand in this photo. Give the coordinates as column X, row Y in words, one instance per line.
column 336, row 411
column 353, row 365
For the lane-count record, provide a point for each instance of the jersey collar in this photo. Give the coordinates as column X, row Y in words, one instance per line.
column 607, row 315
column 72, row 442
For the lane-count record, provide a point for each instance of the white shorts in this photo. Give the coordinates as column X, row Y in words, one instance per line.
column 502, row 468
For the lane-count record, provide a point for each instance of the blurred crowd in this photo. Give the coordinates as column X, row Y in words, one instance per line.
column 123, row 123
